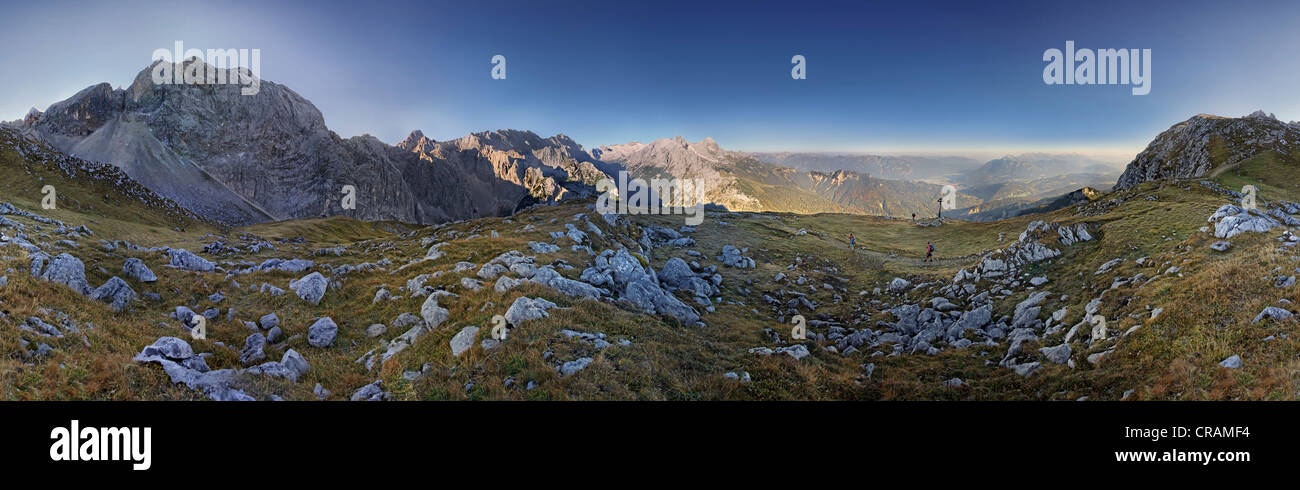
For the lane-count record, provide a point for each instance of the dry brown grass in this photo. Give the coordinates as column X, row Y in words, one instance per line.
column 1207, row 313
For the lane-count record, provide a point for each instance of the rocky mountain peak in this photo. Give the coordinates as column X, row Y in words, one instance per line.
column 1205, row 142
column 1261, row 115
column 414, row 141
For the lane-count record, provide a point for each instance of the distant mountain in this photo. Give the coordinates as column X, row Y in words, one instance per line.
column 705, row 161
column 1034, row 166
column 741, row 182
column 241, row 159
column 1206, row 143
column 885, row 167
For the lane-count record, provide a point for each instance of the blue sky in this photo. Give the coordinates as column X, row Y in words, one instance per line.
column 935, row 77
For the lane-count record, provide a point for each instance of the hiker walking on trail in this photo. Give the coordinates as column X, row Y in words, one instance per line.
column 913, row 217
column 929, row 252
column 853, row 242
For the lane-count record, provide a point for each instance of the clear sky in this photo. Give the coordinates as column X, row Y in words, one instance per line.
column 885, row 77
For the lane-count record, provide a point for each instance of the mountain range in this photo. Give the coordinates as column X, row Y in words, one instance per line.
column 245, row 159
column 240, row 160
column 894, row 167
column 741, row 181
column 1035, row 166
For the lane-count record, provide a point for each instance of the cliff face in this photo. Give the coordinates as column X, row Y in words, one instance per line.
column 1200, row 145
column 243, row 159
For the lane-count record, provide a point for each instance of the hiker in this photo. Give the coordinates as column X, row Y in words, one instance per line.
column 853, row 242
column 929, row 252
column 913, row 217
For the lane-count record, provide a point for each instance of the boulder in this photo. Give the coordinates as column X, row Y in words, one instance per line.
column 323, row 332
column 1272, row 312
column 1231, row 220
column 650, row 298
column 1059, row 354
column 898, row 285
column 1233, row 362
column 168, row 347
column 252, row 351
column 295, row 363
column 731, row 256
column 542, row 248
column 463, row 340
column 116, row 292
column 433, row 314
column 185, row 260
column 490, row 271
column 372, row 392
column 63, row 269
column 506, row 283
column 551, row 278
column 524, row 309
column 310, row 288
column 268, row 321
column 134, row 268
column 572, row 367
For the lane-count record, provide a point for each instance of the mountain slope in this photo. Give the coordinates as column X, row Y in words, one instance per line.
column 81, row 186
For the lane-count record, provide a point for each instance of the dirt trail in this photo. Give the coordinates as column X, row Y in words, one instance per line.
column 909, row 260
column 917, row 261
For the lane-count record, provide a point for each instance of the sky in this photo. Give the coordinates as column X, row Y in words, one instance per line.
column 882, row 77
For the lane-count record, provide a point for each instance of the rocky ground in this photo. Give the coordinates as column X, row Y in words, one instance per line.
column 1168, row 290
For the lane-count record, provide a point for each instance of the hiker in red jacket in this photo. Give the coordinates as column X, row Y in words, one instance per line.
column 929, row 252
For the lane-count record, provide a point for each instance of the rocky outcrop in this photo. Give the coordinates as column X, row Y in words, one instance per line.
column 634, row 282
column 1231, row 220
column 1003, row 266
